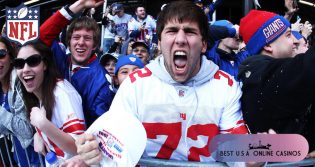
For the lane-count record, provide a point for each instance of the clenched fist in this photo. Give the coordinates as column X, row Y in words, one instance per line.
column 38, row 117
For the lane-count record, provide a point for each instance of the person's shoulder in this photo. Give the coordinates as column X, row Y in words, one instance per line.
column 140, row 82
column 132, row 19
column 127, row 15
column 64, row 87
column 224, row 87
column 140, row 75
column 224, row 79
column 94, row 66
column 111, row 17
column 150, row 17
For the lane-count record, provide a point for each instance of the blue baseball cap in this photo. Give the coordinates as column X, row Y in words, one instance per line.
column 117, row 7
column 224, row 23
column 128, row 60
column 140, row 43
column 108, row 56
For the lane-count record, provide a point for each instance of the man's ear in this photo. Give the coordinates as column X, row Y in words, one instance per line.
column 204, row 47
column 268, row 48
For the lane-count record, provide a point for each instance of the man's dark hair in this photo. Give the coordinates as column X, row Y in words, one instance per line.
column 183, row 11
column 139, row 6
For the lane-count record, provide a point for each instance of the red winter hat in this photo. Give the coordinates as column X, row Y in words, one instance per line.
column 259, row 28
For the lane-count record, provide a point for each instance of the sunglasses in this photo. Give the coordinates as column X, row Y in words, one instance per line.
column 31, row 61
column 3, row 53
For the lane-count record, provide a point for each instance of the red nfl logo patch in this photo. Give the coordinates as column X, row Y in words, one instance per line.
column 22, row 24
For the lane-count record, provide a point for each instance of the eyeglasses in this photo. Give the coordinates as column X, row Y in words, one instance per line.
column 3, row 53
column 31, row 61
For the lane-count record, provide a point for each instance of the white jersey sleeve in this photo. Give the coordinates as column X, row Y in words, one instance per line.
column 133, row 25
column 152, row 24
column 231, row 119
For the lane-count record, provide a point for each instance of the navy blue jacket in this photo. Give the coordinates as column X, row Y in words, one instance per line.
column 228, row 62
column 90, row 82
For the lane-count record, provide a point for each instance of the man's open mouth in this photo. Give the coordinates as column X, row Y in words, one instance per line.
column 180, row 60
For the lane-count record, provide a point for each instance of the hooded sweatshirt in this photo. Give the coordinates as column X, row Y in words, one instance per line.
column 180, row 118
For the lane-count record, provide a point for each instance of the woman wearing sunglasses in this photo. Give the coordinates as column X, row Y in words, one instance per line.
column 13, row 116
column 55, row 106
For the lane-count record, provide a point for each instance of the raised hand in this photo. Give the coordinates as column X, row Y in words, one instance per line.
column 297, row 26
column 291, row 6
column 306, row 29
column 80, row 5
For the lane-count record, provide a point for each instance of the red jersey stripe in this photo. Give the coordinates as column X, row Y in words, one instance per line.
column 58, row 151
column 74, row 127
column 72, row 121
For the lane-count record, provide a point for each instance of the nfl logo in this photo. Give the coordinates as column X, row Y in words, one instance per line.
column 22, row 24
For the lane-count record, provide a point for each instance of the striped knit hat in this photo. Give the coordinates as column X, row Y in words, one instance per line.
column 259, row 28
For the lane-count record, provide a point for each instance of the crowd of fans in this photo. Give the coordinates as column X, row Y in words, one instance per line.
column 179, row 74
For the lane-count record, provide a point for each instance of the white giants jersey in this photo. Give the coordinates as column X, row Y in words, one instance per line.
column 181, row 120
column 67, row 115
column 150, row 27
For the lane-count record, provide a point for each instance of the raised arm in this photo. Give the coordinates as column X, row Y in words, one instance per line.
column 219, row 32
column 51, row 28
column 291, row 7
column 212, row 7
